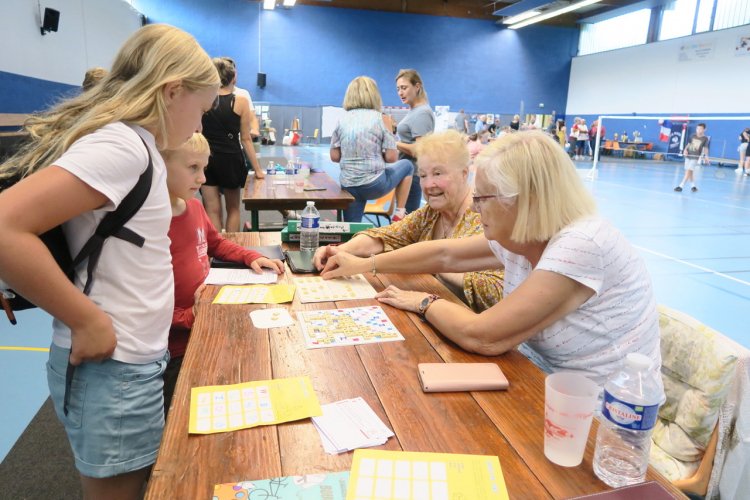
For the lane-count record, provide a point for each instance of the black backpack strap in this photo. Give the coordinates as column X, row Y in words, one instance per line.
column 113, row 224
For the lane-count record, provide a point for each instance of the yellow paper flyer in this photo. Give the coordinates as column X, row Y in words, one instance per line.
column 255, row 294
column 380, row 474
column 223, row 408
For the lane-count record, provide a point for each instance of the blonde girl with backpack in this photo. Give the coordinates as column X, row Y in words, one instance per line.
column 109, row 348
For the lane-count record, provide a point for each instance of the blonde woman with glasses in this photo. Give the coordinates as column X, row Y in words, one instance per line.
column 109, row 346
column 577, row 295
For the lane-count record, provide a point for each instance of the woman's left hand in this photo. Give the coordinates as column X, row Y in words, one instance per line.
column 401, row 299
column 274, row 265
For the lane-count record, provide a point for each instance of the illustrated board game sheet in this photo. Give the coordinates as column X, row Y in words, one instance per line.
column 350, row 326
column 379, row 474
column 222, row 408
column 328, row 486
column 316, row 289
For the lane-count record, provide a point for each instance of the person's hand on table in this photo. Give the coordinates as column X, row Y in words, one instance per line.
column 274, row 265
column 94, row 340
column 322, row 254
column 344, row 264
column 401, row 299
column 260, row 175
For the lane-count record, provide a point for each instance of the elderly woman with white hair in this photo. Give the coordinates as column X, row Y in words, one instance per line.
column 577, row 294
column 443, row 169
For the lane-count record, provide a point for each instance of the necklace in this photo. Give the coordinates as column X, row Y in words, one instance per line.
column 446, row 230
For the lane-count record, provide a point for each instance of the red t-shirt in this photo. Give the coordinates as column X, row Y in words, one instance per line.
column 193, row 240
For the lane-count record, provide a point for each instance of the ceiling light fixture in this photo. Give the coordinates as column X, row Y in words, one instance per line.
column 554, row 13
column 269, row 4
column 520, row 17
column 289, row 3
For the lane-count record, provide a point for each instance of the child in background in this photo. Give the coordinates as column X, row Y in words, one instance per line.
column 695, row 152
column 194, row 239
column 109, row 348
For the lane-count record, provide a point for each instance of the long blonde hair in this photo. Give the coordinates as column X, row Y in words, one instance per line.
column 152, row 57
column 532, row 167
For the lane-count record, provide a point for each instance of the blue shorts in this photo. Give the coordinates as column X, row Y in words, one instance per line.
column 115, row 414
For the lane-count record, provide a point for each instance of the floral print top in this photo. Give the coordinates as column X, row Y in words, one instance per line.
column 482, row 289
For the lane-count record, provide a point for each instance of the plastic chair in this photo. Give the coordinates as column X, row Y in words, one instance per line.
column 315, row 138
column 382, row 207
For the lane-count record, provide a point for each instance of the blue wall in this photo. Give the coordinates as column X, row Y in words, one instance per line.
column 311, row 53
column 21, row 94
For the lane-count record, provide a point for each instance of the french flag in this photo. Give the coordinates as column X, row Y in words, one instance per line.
column 665, row 130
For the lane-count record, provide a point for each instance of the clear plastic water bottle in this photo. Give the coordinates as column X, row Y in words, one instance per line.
column 271, row 168
column 309, row 228
column 289, row 171
column 632, row 397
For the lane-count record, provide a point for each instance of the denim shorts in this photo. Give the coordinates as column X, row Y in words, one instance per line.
column 115, row 414
column 386, row 182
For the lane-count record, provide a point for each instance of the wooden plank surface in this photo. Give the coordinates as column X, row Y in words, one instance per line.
column 525, row 396
column 226, row 349
column 264, row 194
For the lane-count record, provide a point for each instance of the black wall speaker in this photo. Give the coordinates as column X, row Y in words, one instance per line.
column 261, row 80
column 51, row 20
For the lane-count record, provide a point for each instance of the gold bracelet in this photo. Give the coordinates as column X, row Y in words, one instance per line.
column 374, row 271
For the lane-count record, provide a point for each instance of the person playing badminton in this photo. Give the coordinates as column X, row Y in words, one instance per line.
column 696, row 151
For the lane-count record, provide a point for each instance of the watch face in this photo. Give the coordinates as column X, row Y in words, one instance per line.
column 425, row 302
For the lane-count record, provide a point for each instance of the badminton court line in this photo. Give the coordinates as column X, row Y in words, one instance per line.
column 690, row 264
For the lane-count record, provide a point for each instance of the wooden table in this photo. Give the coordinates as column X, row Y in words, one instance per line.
column 226, row 349
column 269, row 194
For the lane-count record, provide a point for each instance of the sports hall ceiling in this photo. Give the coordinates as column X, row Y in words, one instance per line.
column 475, row 9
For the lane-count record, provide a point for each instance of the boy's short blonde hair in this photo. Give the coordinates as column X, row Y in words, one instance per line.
column 196, row 144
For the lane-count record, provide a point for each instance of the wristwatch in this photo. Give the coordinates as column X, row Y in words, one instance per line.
column 425, row 304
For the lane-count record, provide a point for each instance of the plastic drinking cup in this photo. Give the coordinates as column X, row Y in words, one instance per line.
column 569, row 403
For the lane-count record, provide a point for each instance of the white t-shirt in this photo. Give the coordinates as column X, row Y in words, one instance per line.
column 133, row 285
column 620, row 317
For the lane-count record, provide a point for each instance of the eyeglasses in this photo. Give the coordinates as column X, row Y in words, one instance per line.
column 477, row 199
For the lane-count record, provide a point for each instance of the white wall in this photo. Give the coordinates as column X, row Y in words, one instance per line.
column 652, row 79
column 89, row 34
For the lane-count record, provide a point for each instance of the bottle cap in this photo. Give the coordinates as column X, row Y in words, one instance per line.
column 310, row 203
column 638, row 361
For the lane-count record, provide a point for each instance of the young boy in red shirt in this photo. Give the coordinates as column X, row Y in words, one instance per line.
column 193, row 240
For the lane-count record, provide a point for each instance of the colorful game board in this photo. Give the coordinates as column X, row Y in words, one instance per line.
column 381, row 475
column 328, row 486
column 316, row 289
column 222, row 408
column 351, row 326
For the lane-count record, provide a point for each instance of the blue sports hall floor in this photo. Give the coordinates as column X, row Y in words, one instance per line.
column 696, row 245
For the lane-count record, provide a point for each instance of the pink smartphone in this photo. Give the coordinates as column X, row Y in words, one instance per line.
column 453, row 377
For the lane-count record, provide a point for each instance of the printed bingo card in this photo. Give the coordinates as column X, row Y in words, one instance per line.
column 222, row 408
column 350, row 326
column 316, row 289
column 403, row 475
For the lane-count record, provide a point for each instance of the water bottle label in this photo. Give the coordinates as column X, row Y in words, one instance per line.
column 310, row 222
column 629, row 416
